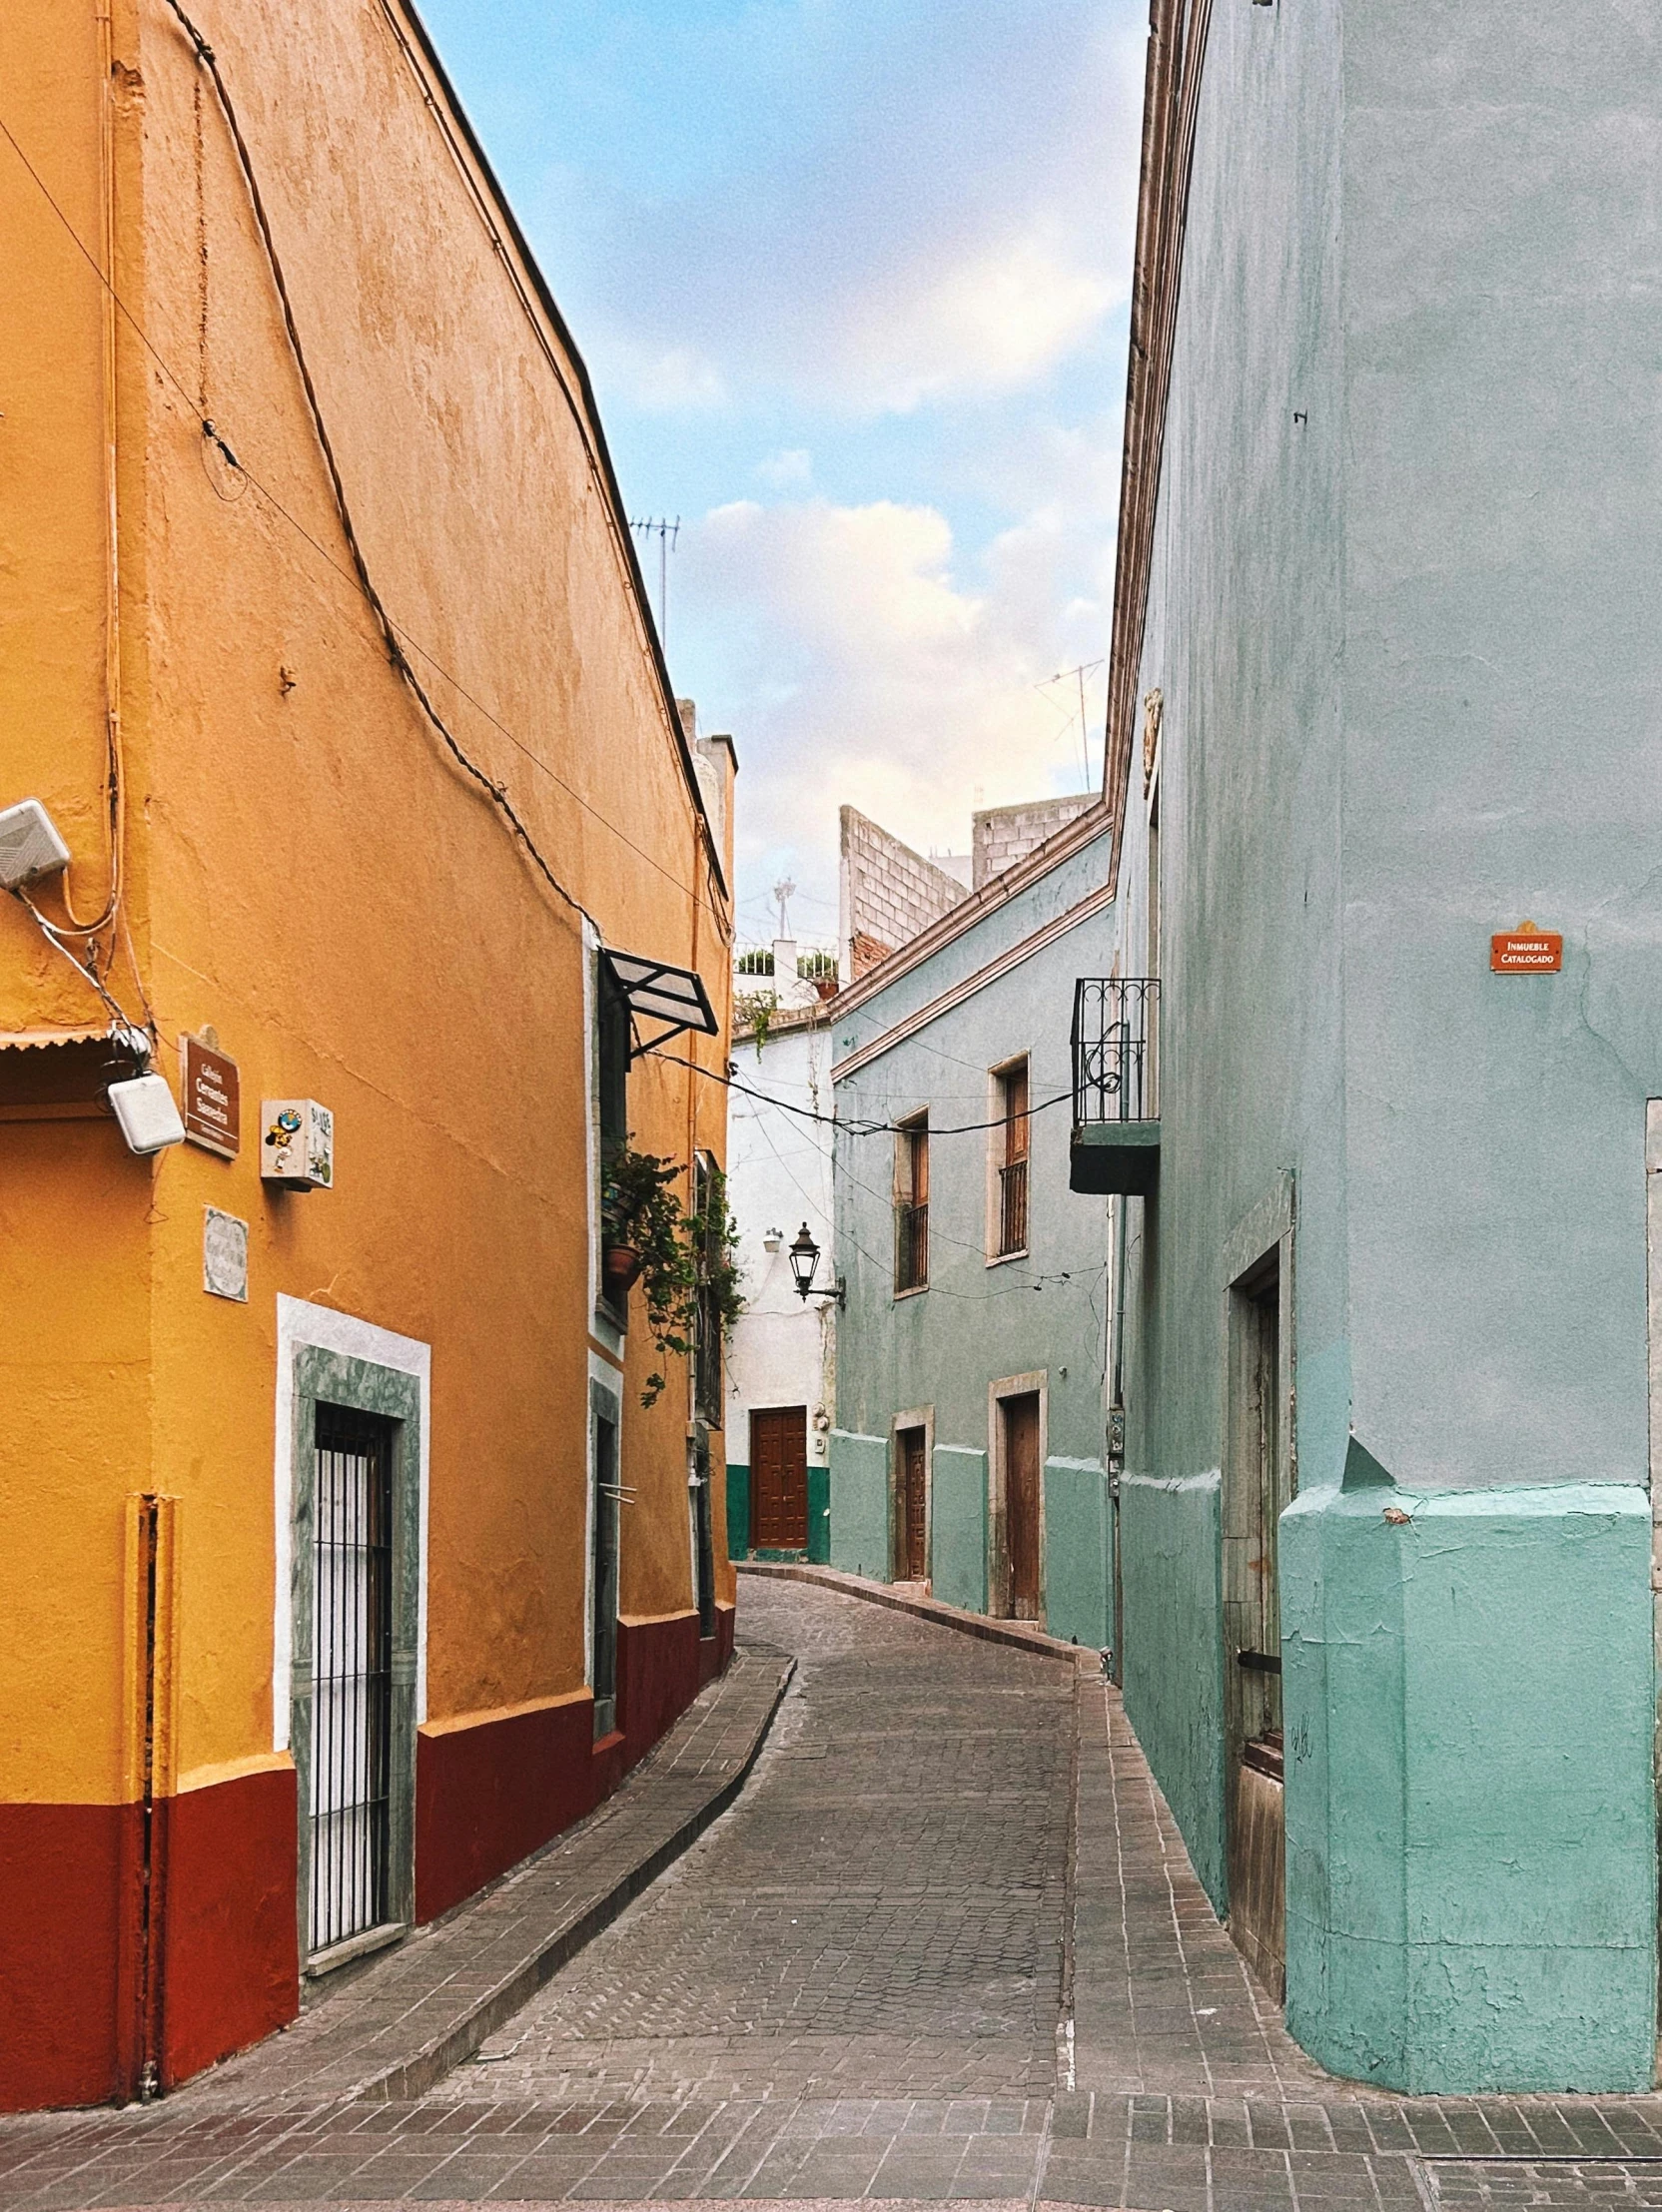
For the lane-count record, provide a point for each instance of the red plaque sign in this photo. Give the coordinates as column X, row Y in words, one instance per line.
column 211, row 1099
column 1526, row 951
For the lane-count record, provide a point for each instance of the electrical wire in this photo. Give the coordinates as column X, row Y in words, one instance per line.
column 864, row 1127
column 395, row 636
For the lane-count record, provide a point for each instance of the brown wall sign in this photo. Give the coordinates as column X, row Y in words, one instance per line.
column 1526, row 951
column 211, row 1099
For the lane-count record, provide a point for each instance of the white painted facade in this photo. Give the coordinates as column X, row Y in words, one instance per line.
column 782, row 1351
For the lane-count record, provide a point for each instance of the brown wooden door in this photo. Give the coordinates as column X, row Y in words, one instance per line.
column 1021, row 1502
column 779, row 1479
column 914, row 1508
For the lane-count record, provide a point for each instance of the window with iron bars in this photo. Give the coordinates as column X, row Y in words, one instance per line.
column 1011, row 1138
column 912, row 1205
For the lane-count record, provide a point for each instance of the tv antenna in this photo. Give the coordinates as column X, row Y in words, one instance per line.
column 666, row 533
column 784, row 891
column 1079, row 674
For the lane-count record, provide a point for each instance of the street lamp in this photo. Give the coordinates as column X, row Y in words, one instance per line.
column 804, row 1262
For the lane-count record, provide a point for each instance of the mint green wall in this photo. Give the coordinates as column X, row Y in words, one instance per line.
column 739, row 1511
column 1173, row 1659
column 1039, row 1313
column 1079, row 1563
column 860, row 1504
column 958, row 1527
column 819, row 1514
column 1412, row 695
column 1472, row 1895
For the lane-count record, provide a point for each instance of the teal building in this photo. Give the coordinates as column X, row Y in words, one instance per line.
column 968, row 1447
column 1368, row 1062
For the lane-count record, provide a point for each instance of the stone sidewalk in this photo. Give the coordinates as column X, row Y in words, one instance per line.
column 946, row 1946
column 404, row 2020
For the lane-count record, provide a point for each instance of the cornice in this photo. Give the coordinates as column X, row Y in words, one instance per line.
column 1176, row 54
column 946, row 1001
column 1071, row 838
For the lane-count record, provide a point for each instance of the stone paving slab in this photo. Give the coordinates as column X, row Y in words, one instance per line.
column 815, row 2006
column 410, row 2014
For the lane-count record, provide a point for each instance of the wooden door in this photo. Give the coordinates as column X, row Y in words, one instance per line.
column 1021, row 1502
column 913, row 1508
column 1256, row 1493
column 779, row 1479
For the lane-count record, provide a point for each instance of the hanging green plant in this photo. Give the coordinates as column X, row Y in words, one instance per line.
column 754, row 1010
column 681, row 1260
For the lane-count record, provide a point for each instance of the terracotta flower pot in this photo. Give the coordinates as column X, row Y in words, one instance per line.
column 621, row 1268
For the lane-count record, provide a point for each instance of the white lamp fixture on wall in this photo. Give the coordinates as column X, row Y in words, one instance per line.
column 30, row 846
column 146, row 1113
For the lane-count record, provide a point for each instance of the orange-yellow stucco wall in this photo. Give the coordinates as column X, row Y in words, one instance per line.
column 310, row 872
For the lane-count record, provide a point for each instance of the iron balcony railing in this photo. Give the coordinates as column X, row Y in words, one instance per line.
column 1116, row 1041
column 1013, row 1208
column 911, row 1246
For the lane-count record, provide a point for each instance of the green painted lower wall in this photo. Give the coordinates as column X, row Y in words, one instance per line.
column 1173, row 1659
column 1471, row 1827
column 739, row 1511
column 860, row 1504
column 819, row 1516
column 1079, row 1570
column 958, row 1527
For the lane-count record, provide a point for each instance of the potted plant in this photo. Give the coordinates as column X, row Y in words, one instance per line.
column 647, row 1237
column 640, row 1217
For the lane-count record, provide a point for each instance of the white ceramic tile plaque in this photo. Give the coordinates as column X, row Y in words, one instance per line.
column 223, row 1255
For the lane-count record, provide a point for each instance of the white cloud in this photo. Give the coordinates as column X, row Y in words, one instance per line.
column 669, row 381
column 889, row 206
column 861, row 667
column 793, row 470
column 1001, row 318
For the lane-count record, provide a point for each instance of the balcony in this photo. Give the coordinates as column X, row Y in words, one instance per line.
column 1115, row 1136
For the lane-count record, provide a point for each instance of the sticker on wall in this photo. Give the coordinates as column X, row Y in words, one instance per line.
column 223, row 1255
column 1526, row 951
column 296, row 1144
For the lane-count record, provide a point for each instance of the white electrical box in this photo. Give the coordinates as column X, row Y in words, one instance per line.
column 296, row 1144
column 144, row 1108
column 30, row 846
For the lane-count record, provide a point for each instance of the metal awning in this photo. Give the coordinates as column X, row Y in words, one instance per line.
column 674, row 997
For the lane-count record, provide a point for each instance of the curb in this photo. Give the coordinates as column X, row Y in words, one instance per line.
column 412, row 2078
column 978, row 1625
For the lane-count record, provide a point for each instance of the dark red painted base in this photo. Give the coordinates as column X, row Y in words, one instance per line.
column 231, row 1951
column 70, row 1903
column 69, row 1891
column 60, row 1953
column 487, row 1797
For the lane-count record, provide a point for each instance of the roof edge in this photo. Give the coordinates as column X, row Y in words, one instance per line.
column 1085, row 829
column 539, row 284
column 1177, row 31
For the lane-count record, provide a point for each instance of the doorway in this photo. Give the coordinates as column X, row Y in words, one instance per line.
column 351, row 1678
column 911, row 1505
column 602, row 1582
column 1018, row 1417
column 779, row 1479
column 1256, row 1490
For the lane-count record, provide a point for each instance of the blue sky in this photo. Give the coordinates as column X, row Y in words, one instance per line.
column 850, row 277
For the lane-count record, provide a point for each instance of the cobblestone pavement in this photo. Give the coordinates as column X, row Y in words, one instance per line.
column 881, row 1915
column 871, row 1979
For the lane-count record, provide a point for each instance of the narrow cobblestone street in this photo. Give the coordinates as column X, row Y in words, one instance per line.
column 944, row 1945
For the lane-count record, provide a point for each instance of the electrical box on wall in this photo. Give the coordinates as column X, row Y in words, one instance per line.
column 296, row 1144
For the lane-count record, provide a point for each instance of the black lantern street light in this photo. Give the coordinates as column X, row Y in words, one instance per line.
column 804, row 1262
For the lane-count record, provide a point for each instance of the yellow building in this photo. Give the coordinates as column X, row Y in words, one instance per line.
column 343, row 1564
